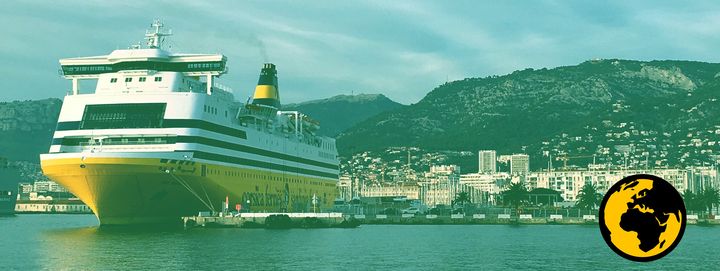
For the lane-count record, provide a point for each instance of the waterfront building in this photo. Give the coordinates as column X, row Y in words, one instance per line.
column 486, row 161
column 700, row 178
column 570, row 183
column 410, row 192
column 489, row 185
column 345, row 188
column 25, row 188
column 48, row 205
column 48, row 186
column 442, row 184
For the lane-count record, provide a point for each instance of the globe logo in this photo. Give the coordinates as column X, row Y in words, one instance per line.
column 642, row 217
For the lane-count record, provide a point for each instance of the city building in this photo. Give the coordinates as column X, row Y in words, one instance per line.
column 490, row 185
column 700, row 178
column 570, row 183
column 25, row 188
column 442, row 185
column 486, row 161
column 519, row 164
column 345, row 188
column 43, row 205
column 48, row 186
column 410, row 192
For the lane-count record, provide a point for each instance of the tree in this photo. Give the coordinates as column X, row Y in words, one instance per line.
column 693, row 202
column 515, row 195
column 588, row 198
column 461, row 199
column 710, row 196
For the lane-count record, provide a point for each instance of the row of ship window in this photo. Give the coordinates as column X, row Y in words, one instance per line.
column 141, row 79
column 258, row 176
column 212, row 110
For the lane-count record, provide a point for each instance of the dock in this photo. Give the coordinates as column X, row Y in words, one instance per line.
column 474, row 219
column 339, row 220
column 272, row 220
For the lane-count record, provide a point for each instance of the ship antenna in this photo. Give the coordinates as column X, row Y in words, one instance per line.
column 156, row 37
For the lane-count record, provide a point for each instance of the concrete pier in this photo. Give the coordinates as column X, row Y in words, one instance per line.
column 339, row 220
column 273, row 220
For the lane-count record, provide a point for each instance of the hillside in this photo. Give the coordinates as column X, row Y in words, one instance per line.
column 26, row 128
column 665, row 112
column 340, row 112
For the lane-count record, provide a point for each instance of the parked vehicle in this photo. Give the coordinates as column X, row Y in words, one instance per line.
column 411, row 210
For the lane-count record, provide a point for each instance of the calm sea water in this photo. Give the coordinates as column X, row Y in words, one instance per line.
column 75, row 242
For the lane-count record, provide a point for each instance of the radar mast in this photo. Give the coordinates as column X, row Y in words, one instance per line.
column 155, row 37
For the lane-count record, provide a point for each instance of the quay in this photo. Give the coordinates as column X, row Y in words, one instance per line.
column 271, row 220
column 339, row 220
column 499, row 219
column 475, row 219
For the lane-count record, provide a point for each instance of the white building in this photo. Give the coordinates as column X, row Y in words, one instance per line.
column 442, row 184
column 411, row 192
column 49, row 206
column 345, row 188
column 569, row 183
column 700, row 178
column 486, row 161
column 489, row 184
column 48, row 186
column 25, row 188
column 519, row 164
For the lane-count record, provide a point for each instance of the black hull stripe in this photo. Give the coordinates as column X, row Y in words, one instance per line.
column 260, row 164
column 248, row 149
column 145, row 65
column 209, row 142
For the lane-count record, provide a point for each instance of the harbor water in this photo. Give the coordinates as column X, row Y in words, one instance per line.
column 60, row 242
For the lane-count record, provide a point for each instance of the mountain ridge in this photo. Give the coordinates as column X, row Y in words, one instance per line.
column 519, row 111
column 340, row 112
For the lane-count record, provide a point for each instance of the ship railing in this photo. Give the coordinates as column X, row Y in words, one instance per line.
column 222, row 87
column 114, row 148
column 155, row 140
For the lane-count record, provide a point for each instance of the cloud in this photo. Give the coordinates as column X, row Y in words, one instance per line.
column 323, row 48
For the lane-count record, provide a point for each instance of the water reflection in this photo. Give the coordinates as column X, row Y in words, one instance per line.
column 75, row 242
column 116, row 247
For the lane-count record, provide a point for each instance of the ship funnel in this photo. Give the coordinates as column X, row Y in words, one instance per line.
column 266, row 91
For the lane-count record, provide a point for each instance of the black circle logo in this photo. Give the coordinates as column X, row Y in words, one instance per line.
column 642, row 217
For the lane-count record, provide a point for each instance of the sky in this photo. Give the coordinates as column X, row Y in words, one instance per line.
column 402, row 49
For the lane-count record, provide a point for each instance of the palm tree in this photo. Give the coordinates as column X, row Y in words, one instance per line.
column 694, row 202
column 588, row 198
column 461, row 199
column 515, row 195
column 710, row 196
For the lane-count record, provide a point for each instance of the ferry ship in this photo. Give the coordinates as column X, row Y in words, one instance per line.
column 159, row 139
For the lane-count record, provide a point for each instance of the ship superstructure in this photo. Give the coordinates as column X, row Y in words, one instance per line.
column 159, row 139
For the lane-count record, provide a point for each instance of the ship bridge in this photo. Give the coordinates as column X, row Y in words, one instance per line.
column 138, row 61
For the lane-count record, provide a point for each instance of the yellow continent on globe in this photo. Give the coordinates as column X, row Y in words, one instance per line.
column 627, row 241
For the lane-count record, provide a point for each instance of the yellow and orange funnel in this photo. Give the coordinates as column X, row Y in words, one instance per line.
column 266, row 91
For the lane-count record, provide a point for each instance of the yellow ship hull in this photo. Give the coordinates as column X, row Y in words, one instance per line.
column 150, row 190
